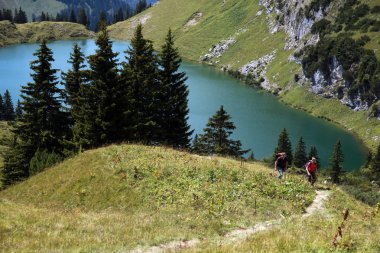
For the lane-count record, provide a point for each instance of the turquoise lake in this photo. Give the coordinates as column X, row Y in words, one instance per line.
column 259, row 117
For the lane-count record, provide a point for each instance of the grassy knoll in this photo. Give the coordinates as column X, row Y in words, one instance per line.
column 119, row 197
column 361, row 232
column 34, row 32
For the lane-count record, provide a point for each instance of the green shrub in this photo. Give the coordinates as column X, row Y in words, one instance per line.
column 42, row 160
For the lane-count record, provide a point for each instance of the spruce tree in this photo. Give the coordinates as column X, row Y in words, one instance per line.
column 128, row 11
column 119, row 16
column 300, row 157
column 314, row 153
column 73, row 17
column 375, row 165
column 336, row 163
column 175, row 130
column 1, row 108
column 102, row 22
column 75, row 77
column 141, row 79
column 215, row 139
column 74, row 81
column 284, row 145
column 83, row 19
column 8, row 109
column 43, row 125
column 18, row 112
column 106, row 91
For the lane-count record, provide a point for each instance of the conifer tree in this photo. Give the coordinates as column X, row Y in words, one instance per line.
column 1, row 108
column 73, row 82
column 106, row 90
column 300, row 157
column 75, row 77
column 18, row 112
column 119, row 16
column 284, row 145
column 83, row 19
column 73, row 17
column 336, row 163
column 140, row 77
column 128, row 11
column 102, row 22
column 43, row 125
column 375, row 165
column 8, row 109
column 173, row 94
column 215, row 139
column 314, row 153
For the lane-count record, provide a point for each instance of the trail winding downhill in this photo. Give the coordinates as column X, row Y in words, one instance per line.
column 239, row 234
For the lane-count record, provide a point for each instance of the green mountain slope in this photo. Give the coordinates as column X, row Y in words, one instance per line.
column 236, row 33
column 34, row 32
column 124, row 197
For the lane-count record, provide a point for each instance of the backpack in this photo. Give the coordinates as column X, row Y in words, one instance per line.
column 307, row 164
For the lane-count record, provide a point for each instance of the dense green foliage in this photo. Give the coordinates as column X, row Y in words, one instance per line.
column 7, row 112
column 361, row 67
column 19, row 16
column 314, row 153
column 336, row 163
column 215, row 139
column 284, row 145
column 43, row 123
column 300, row 156
column 173, row 114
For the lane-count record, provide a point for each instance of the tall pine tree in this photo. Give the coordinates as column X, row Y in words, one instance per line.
column 375, row 165
column 1, row 108
column 8, row 109
column 336, row 163
column 173, row 94
column 284, row 145
column 106, row 91
column 215, row 139
column 43, row 125
column 314, row 153
column 141, row 79
column 300, row 157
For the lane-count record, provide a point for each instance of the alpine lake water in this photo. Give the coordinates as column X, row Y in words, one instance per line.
column 259, row 117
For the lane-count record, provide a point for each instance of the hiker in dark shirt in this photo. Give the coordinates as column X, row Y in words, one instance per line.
column 281, row 164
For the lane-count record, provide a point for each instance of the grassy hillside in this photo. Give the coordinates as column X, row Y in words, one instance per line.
column 32, row 32
column 34, row 6
column 5, row 140
column 120, row 198
column 214, row 21
column 94, row 201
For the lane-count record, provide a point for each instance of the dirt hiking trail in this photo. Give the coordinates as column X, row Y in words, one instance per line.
column 238, row 234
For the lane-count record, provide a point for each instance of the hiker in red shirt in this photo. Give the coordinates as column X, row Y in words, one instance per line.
column 311, row 169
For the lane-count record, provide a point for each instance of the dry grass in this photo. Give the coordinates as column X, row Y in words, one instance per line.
column 35, row 32
column 120, row 197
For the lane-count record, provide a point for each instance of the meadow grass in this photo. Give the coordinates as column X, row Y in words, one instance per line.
column 361, row 231
column 119, row 197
